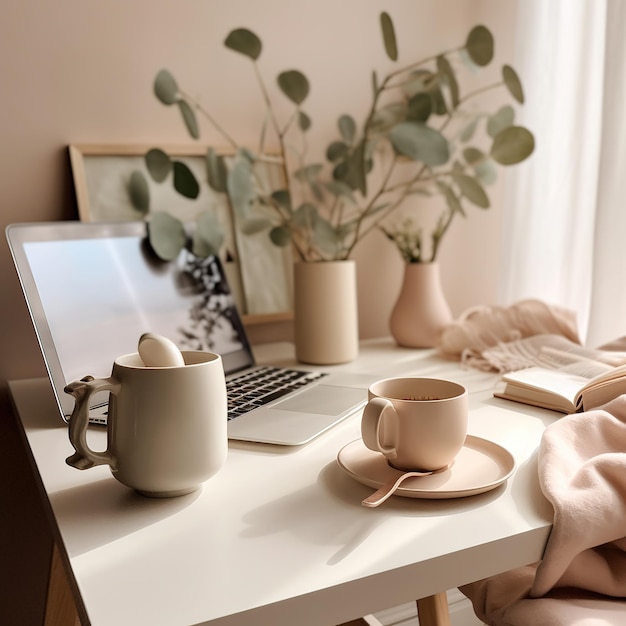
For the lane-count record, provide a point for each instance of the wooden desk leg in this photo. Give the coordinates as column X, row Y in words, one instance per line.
column 433, row 610
column 60, row 606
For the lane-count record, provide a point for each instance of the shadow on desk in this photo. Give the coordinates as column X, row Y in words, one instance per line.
column 341, row 529
column 90, row 509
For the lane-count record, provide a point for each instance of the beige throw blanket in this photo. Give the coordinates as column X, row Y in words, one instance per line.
column 582, row 472
column 496, row 338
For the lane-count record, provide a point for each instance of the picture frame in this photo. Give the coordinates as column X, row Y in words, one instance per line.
column 101, row 173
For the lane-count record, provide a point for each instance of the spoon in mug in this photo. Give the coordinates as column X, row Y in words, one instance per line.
column 390, row 487
column 158, row 351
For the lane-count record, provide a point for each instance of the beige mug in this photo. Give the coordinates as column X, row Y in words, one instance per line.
column 416, row 423
column 166, row 429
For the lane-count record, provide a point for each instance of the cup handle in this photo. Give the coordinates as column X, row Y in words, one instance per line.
column 82, row 390
column 371, row 425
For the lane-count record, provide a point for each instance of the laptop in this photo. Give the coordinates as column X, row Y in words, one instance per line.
column 92, row 289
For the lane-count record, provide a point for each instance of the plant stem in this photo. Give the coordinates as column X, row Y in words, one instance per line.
column 210, row 118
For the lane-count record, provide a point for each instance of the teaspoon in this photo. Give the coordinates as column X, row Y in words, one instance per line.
column 390, row 487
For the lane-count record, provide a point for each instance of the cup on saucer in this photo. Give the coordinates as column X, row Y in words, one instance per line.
column 418, row 424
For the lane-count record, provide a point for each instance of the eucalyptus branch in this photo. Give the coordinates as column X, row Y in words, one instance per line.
column 347, row 219
column 416, row 64
column 211, row 119
column 288, row 123
column 266, row 98
column 476, row 92
column 370, row 205
column 270, row 110
column 437, row 236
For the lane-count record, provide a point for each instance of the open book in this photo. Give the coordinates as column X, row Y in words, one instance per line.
column 576, row 379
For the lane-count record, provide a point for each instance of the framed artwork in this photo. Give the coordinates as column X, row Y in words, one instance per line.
column 259, row 273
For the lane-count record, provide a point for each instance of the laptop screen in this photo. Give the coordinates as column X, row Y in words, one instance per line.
column 93, row 289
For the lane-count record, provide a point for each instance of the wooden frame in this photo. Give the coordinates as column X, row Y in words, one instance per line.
column 101, row 173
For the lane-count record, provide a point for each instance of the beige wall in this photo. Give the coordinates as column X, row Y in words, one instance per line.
column 81, row 71
column 75, row 71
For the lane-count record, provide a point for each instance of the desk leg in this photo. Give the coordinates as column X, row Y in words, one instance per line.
column 60, row 606
column 433, row 610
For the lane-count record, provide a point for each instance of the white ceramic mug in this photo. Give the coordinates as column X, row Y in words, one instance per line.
column 417, row 423
column 166, row 430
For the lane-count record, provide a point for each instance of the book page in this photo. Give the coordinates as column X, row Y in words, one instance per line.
column 558, row 382
column 601, row 392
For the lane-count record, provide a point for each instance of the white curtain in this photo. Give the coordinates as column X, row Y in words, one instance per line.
column 564, row 239
column 608, row 302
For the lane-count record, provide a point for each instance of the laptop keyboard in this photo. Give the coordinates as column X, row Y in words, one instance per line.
column 254, row 389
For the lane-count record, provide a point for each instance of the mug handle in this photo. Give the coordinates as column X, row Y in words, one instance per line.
column 371, row 422
column 82, row 390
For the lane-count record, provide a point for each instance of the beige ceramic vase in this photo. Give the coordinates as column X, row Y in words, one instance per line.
column 421, row 311
column 326, row 327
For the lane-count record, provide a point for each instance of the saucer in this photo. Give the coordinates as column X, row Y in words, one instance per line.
column 480, row 466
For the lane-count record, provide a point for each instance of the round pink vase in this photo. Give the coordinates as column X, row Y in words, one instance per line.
column 421, row 311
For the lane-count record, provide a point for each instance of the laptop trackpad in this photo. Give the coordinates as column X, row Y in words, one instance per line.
column 323, row 400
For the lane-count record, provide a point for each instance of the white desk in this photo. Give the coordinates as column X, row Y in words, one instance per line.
column 279, row 535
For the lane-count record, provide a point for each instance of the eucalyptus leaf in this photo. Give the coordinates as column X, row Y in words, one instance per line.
column 513, row 83
column 305, row 215
column 317, row 190
column 419, row 81
column 448, row 78
column 166, row 235
column 308, row 172
column 389, row 36
column 458, row 167
column 473, row 155
column 165, row 87
column 216, row 171
column 479, row 45
column 420, row 107
column 254, row 225
column 245, row 42
column 185, row 182
column 424, row 81
column 388, row 116
column 189, row 117
column 438, row 101
column 326, row 237
column 484, row 168
column 472, row 190
column 240, row 185
column 139, row 192
column 420, row 143
column 280, row 236
column 337, row 188
column 304, row 121
column 337, row 150
column 485, row 172
column 452, row 200
column 501, row 119
column 247, row 154
column 208, row 237
column 158, row 163
column 352, row 171
column 468, row 131
column 347, row 128
column 512, row 145
column 282, row 198
column 374, row 84
column 294, row 85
